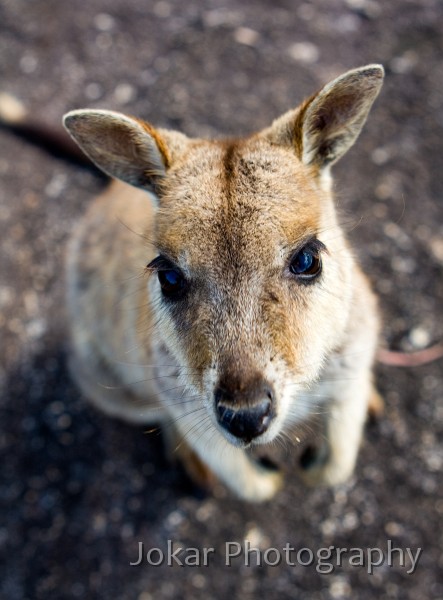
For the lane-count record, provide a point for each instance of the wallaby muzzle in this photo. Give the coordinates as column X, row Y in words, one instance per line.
column 245, row 414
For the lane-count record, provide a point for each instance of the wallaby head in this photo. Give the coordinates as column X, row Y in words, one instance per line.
column 253, row 280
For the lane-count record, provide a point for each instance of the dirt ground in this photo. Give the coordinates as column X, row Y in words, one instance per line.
column 79, row 491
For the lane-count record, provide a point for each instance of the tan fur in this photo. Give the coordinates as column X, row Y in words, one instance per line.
column 230, row 216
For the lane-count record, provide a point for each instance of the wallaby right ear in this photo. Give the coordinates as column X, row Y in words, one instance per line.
column 326, row 125
column 124, row 147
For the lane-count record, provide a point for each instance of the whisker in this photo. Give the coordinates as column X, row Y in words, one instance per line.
column 171, row 424
column 193, row 429
column 153, row 366
column 143, row 236
column 400, row 218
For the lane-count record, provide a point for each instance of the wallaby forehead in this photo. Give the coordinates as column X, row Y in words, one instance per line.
column 238, row 197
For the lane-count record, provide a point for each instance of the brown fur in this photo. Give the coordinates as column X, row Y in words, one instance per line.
column 231, row 216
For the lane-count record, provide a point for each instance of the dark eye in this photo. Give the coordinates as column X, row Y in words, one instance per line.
column 171, row 279
column 306, row 264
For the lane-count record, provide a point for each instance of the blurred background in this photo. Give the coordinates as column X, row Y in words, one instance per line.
column 78, row 490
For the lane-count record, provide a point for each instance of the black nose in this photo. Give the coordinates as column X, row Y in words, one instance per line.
column 248, row 422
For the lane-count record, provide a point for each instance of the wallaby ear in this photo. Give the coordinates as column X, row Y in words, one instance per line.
column 124, row 147
column 326, row 125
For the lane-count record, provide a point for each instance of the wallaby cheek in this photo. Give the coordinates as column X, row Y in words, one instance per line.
column 199, row 357
column 300, row 330
column 286, row 323
column 190, row 324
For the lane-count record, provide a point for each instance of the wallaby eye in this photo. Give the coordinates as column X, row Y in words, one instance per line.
column 171, row 279
column 306, row 263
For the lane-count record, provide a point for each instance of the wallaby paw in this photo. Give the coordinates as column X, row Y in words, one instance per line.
column 317, row 468
column 265, row 481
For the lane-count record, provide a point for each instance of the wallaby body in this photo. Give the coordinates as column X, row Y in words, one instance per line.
column 252, row 312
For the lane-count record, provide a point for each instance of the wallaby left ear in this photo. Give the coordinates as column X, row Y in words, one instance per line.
column 326, row 125
column 125, row 147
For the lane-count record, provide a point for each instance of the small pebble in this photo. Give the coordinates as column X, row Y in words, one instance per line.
column 380, row 156
column 246, row 36
column 436, row 245
column 28, row 64
column 404, row 63
column 162, row 9
column 304, row 52
column 93, row 91
column 124, row 93
column 104, row 22
column 340, row 588
column 419, row 337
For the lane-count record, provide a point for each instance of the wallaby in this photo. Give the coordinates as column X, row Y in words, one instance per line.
column 252, row 311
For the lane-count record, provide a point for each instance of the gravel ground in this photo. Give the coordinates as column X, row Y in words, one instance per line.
column 80, row 491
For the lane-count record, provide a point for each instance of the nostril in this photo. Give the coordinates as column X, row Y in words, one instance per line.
column 219, row 395
column 262, row 410
column 224, row 413
column 269, row 393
